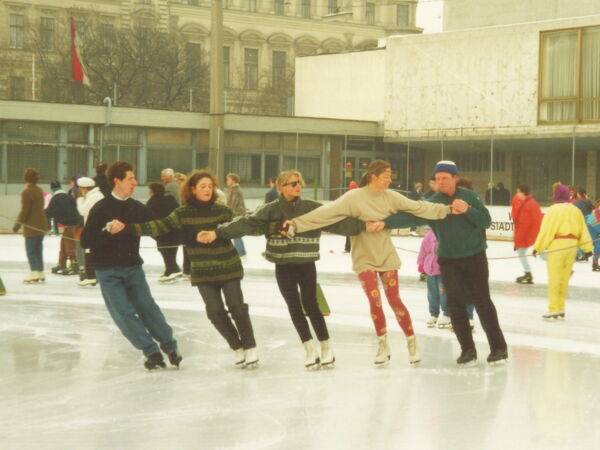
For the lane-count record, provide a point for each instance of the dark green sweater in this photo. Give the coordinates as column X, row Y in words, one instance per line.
column 214, row 262
column 458, row 235
column 267, row 220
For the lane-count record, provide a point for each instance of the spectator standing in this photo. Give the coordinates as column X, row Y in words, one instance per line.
column 63, row 210
column 235, row 201
column 161, row 206
column 527, row 218
column 34, row 223
column 563, row 230
column 272, row 193
column 90, row 195
column 167, row 176
column 100, row 179
column 503, row 195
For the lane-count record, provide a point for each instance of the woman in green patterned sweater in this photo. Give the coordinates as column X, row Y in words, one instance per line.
column 216, row 268
column 294, row 258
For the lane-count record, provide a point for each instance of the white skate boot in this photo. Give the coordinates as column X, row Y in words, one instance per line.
column 327, row 358
column 383, row 351
column 312, row 358
column 251, row 357
column 240, row 356
column 413, row 351
column 431, row 322
column 444, row 322
column 34, row 277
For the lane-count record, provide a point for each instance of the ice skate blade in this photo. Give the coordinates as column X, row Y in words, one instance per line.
column 313, row 366
column 500, row 362
column 415, row 363
column 468, row 365
column 329, row 364
column 250, row 365
column 383, row 363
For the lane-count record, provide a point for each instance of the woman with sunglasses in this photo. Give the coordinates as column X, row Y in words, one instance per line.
column 373, row 254
column 216, row 269
column 294, row 258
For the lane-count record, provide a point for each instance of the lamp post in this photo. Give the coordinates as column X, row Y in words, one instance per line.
column 216, row 159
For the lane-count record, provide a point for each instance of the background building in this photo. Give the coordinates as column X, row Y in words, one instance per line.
column 130, row 60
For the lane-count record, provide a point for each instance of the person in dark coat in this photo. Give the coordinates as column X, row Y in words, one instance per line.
column 63, row 209
column 161, row 206
column 272, row 193
column 34, row 223
column 101, row 180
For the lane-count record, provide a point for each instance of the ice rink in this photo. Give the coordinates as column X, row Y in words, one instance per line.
column 70, row 380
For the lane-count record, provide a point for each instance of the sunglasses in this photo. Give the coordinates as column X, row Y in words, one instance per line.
column 292, row 184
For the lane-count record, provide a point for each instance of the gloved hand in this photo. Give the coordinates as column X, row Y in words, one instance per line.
column 16, row 227
column 535, row 253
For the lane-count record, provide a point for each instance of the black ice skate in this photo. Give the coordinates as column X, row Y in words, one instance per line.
column 154, row 361
column 467, row 358
column 497, row 356
column 554, row 315
column 525, row 279
column 595, row 267
column 175, row 358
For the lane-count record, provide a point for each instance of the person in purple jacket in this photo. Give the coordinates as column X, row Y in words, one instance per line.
column 436, row 294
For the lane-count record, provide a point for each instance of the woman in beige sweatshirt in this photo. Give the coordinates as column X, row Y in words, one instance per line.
column 373, row 253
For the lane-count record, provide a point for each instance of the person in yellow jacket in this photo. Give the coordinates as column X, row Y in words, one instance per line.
column 563, row 229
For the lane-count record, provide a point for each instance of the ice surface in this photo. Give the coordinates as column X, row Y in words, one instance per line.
column 70, row 380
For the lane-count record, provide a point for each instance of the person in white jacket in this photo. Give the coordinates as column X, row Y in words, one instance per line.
column 91, row 194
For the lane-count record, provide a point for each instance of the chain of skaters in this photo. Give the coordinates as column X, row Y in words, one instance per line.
column 397, row 248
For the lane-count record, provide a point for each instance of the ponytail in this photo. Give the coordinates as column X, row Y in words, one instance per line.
column 375, row 168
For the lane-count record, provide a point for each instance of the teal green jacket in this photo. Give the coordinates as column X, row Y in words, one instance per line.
column 268, row 219
column 459, row 235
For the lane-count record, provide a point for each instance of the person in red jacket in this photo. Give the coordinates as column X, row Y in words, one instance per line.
column 527, row 217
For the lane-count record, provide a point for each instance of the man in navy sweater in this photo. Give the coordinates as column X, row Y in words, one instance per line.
column 119, row 269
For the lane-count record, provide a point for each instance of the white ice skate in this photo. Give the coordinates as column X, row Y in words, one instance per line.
column 383, row 351
column 554, row 315
column 88, row 282
column 327, row 358
column 312, row 358
column 431, row 322
column 413, row 351
column 251, row 360
column 169, row 279
column 36, row 276
column 240, row 356
column 444, row 322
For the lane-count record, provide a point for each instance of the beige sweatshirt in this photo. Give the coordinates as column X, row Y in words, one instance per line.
column 370, row 251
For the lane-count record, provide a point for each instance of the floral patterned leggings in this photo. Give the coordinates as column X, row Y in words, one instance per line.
column 368, row 280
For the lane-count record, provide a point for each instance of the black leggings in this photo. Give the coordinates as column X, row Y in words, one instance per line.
column 239, row 335
column 289, row 278
column 169, row 255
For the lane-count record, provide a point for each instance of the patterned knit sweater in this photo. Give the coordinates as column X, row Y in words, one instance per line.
column 267, row 220
column 210, row 263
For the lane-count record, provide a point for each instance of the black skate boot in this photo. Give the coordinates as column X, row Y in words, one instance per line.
column 467, row 357
column 59, row 268
column 595, row 267
column 175, row 358
column 154, row 361
column 497, row 356
column 525, row 279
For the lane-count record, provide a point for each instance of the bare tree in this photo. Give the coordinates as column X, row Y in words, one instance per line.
column 146, row 67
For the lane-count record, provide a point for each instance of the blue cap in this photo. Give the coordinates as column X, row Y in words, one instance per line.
column 446, row 166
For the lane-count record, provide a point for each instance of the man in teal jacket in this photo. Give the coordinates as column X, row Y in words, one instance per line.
column 463, row 261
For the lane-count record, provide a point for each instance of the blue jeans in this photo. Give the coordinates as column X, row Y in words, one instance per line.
column 239, row 246
column 35, row 252
column 436, row 296
column 130, row 304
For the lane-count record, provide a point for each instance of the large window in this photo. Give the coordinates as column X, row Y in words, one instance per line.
column 332, row 6
column 305, row 9
column 279, row 7
column 478, row 161
column 226, row 67
column 402, row 15
column 247, row 166
column 570, row 76
column 279, row 69
column 370, row 14
column 17, row 88
column 17, row 30
column 193, row 53
column 250, row 68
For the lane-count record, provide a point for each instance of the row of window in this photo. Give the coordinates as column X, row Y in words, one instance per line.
column 333, row 7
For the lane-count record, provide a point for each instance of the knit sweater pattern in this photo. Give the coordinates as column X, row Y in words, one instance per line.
column 268, row 219
column 216, row 262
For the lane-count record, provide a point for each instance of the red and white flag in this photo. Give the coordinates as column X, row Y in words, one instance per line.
column 78, row 68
